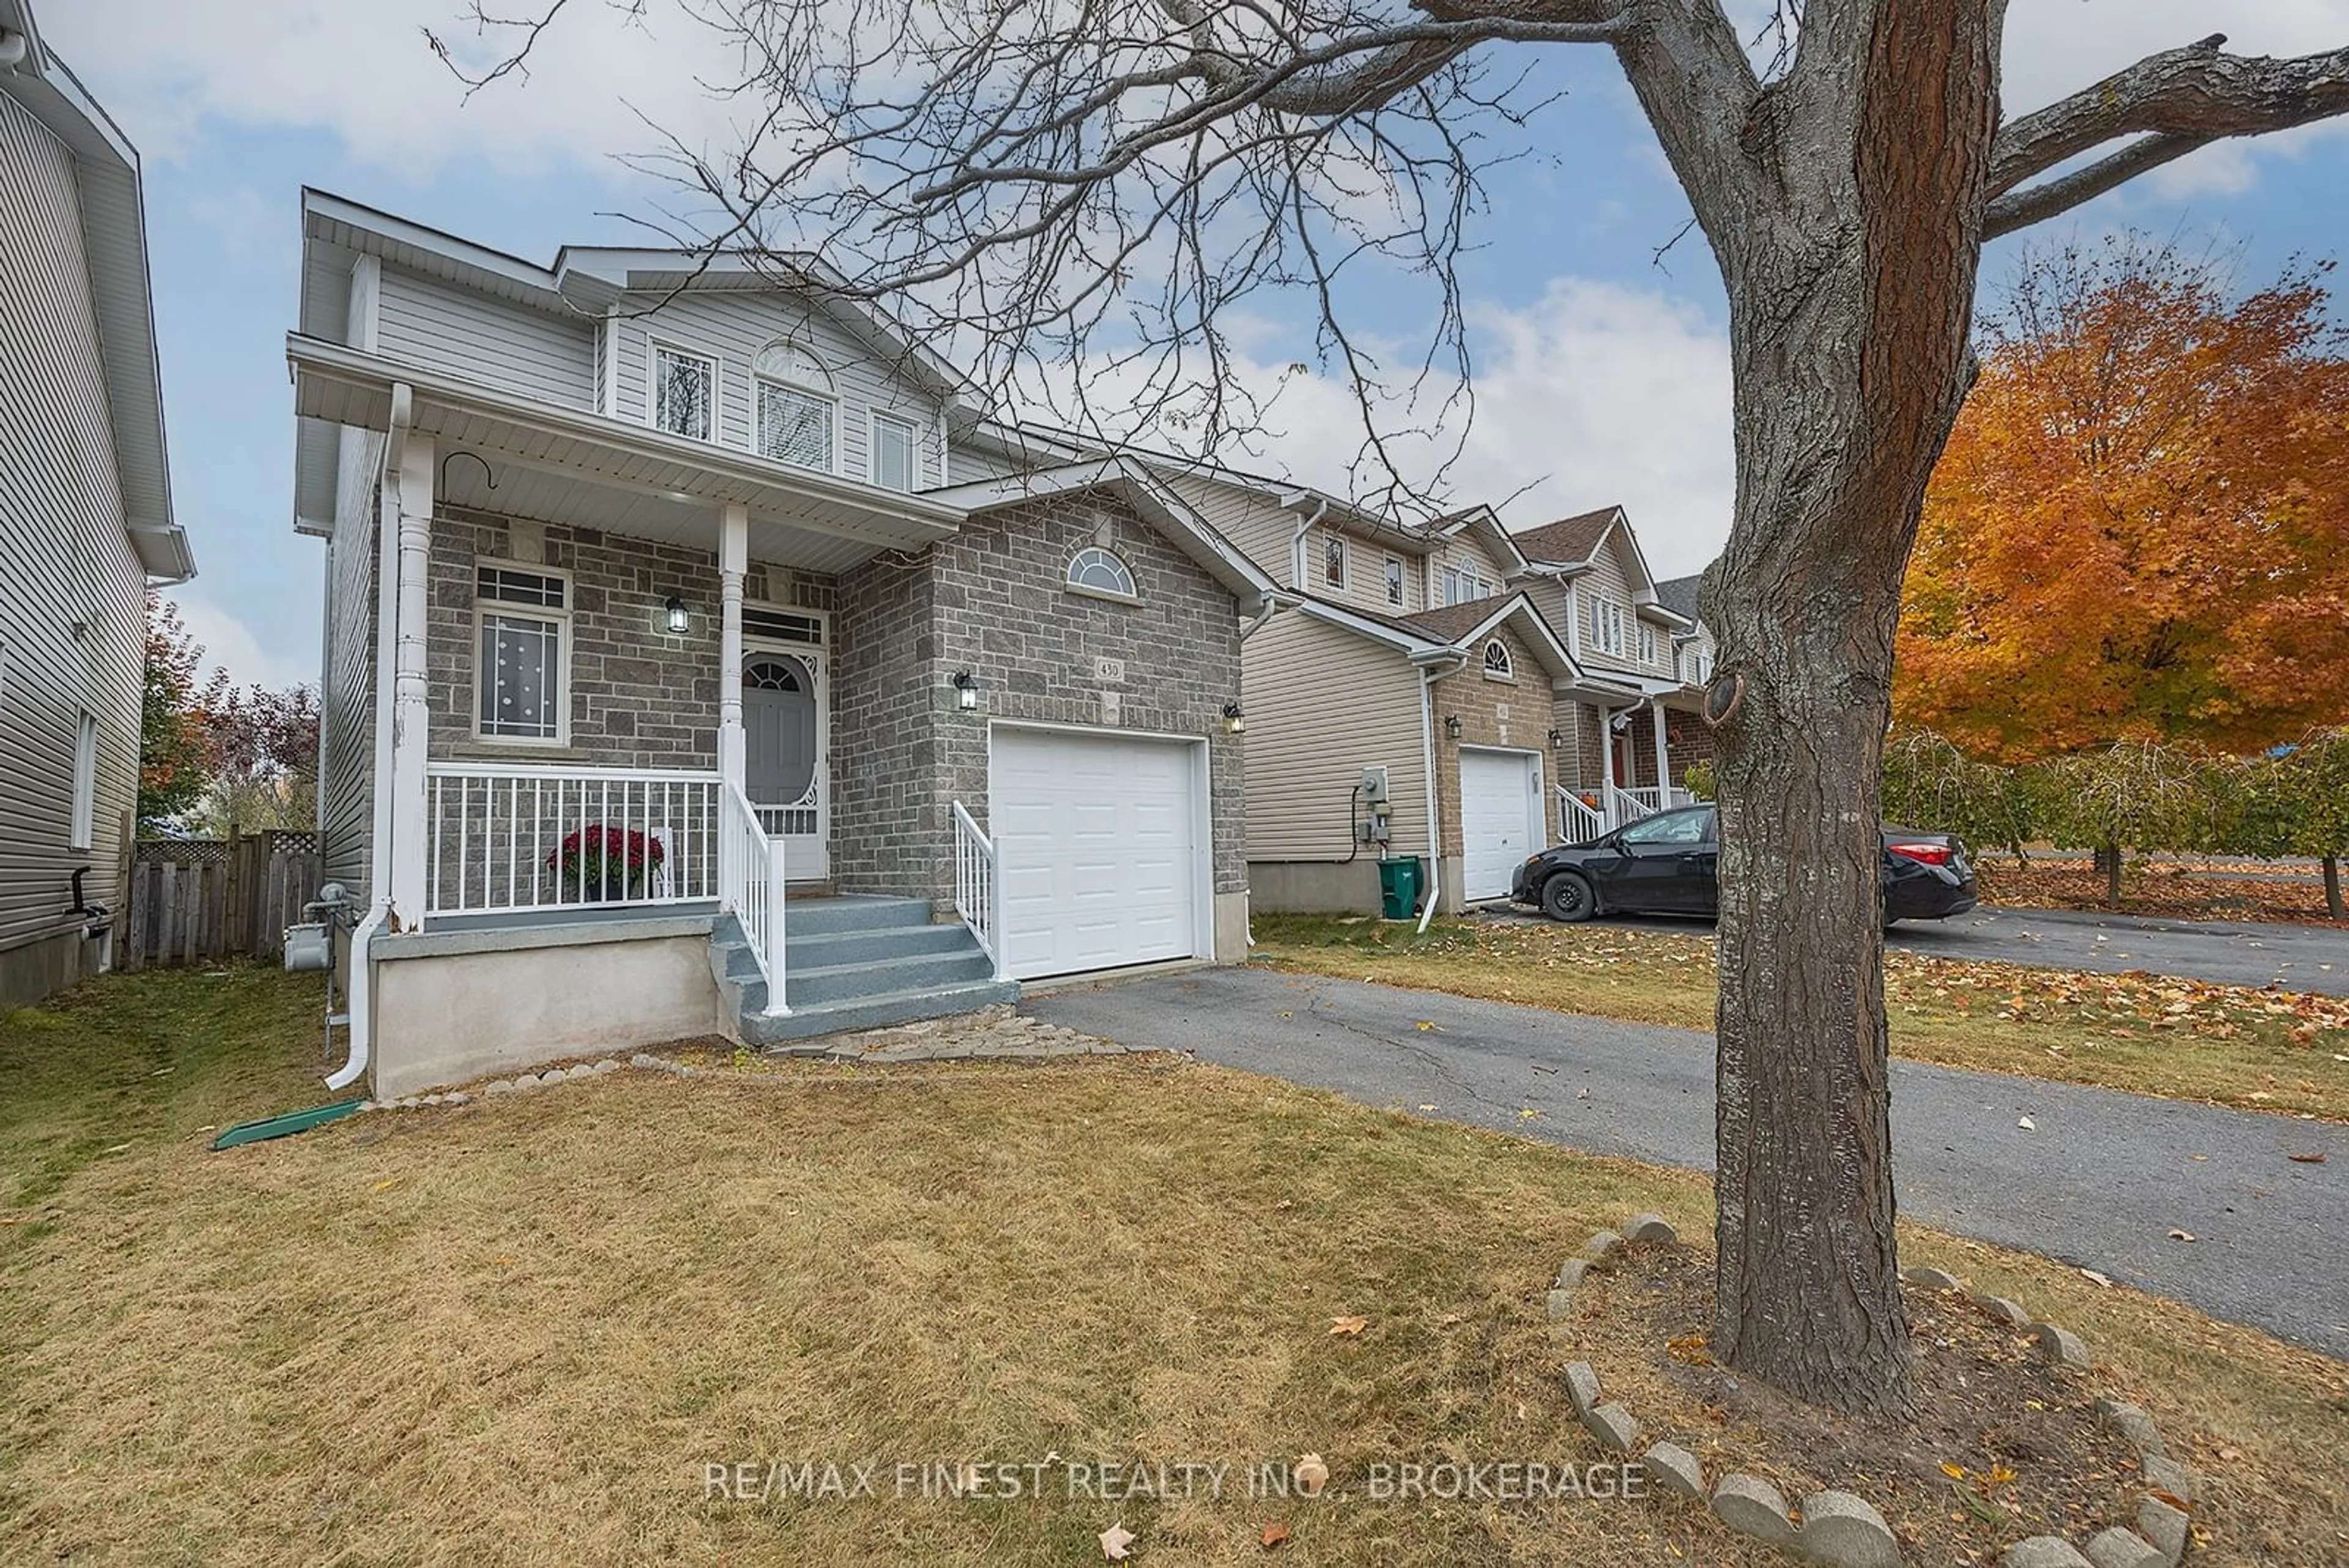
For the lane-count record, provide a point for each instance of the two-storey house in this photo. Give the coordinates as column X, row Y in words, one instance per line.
column 1409, row 708
column 1590, row 580
column 700, row 660
column 85, row 522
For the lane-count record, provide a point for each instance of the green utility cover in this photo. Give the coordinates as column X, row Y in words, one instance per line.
column 268, row 1127
column 1399, row 888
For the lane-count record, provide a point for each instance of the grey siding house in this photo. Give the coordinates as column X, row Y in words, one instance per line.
column 85, row 513
column 699, row 661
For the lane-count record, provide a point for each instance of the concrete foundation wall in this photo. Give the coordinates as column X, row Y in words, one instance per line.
column 1231, row 927
column 36, row 970
column 1315, row 886
column 445, row 1019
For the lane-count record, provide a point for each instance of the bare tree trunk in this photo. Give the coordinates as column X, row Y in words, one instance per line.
column 1849, row 347
column 2333, row 887
column 2108, row 861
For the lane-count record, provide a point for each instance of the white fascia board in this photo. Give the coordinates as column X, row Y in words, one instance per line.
column 1561, row 663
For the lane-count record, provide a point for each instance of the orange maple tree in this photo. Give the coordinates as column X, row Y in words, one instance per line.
column 2140, row 528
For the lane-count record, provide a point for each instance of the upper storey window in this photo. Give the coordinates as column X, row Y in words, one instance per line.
column 799, row 412
column 1333, row 562
column 1461, row 585
column 894, row 443
column 685, row 392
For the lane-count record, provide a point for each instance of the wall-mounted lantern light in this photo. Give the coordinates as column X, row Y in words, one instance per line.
column 1234, row 722
column 680, row 620
column 965, row 687
column 1558, row 737
column 1452, row 725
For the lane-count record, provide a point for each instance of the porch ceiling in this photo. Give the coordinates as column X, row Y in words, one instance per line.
column 567, row 465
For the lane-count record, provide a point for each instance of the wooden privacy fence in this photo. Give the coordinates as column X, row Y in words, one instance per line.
column 201, row 901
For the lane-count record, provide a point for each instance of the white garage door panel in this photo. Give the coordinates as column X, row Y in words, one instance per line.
column 1095, row 837
column 1496, row 798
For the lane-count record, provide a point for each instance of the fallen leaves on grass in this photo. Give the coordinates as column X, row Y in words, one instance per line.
column 1310, row 1474
column 1117, row 1542
column 1274, row 1534
column 1348, row 1326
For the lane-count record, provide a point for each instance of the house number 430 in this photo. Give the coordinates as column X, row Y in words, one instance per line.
column 1111, row 669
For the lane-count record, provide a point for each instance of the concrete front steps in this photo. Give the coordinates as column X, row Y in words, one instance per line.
column 854, row 961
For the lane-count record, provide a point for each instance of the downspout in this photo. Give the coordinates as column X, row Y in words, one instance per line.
column 359, row 989
column 1434, row 822
column 1296, row 545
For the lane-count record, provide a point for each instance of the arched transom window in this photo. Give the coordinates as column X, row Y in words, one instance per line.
column 798, row 408
column 1496, row 659
column 1095, row 568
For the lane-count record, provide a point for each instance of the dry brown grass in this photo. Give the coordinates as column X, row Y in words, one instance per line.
column 518, row 1331
column 2145, row 1034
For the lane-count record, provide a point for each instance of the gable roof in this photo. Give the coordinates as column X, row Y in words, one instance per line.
column 1569, row 541
column 1159, row 505
column 114, row 242
column 1678, row 594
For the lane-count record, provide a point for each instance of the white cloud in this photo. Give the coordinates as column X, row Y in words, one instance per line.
column 229, row 644
column 1595, row 394
column 362, row 72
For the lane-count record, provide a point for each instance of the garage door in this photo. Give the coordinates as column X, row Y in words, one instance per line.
column 1094, row 834
column 1500, row 797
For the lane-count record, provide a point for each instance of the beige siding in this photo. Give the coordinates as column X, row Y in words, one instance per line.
column 491, row 342
column 1324, row 703
column 1464, row 553
column 1255, row 523
column 1610, row 578
column 733, row 326
column 71, row 590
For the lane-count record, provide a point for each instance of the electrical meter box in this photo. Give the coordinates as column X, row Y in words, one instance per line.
column 1375, row 785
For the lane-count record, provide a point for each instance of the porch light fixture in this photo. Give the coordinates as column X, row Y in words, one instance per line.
column 965, row 687
column 679, row 621
column 1558, row 737
column 1234, row 722
column 1452, row 725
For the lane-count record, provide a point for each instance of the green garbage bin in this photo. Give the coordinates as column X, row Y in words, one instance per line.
column 1399, row 886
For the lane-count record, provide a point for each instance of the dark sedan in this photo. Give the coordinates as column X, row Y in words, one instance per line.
column 1665, row 864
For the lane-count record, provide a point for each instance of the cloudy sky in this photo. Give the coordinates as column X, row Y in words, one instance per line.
column 1601, row 374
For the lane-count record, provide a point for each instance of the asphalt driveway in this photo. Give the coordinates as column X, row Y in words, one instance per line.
column 2099, row 1180
column 2245, row 952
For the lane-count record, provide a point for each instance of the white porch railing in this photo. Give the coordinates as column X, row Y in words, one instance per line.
column 1625, row 805
column 750, row 885
column 1651, row 798
column 510, row 837
column 978, row 883
column 1577, row 819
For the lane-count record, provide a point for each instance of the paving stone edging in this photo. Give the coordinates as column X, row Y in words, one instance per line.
column 995, row 1034
column 1836, row 1529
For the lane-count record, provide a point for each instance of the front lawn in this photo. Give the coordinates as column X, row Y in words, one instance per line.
column 522, row 1330
column 2256, row 1050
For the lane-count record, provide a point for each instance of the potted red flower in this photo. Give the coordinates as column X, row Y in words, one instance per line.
column 606, row 862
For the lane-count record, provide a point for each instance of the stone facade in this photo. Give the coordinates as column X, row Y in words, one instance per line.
column 640, row 698
column 1518, row 714
column 994, row 600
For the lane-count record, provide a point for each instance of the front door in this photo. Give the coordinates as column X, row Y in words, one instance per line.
column 784, row 770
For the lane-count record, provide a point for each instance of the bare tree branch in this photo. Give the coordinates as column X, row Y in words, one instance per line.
column 2178, row 100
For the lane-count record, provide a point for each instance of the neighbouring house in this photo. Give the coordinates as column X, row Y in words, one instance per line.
column 86, row 523
column 1411, row 668
column 1688, row 741
column 700, row 662
column 1586, row 575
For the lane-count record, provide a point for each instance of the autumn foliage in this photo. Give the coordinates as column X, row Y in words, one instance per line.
column 2141, row 529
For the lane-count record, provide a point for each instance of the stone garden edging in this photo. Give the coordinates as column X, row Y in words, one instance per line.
column 1836, row 1529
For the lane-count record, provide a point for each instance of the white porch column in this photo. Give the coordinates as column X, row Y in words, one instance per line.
column 1663, row 761
column 411, row 713
column 733, row 560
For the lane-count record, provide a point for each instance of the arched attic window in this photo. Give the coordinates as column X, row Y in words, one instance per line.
column 799, row 410
column 1497, row 660
column 1096, row 570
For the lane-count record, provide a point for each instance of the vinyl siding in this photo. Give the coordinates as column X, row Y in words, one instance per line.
column 731, row 327
column 347, row 764
column 1610, row 577
column 71, row 590
column 967, row 465
column 1257, row 526
column 530, row 353
column 1465, row 554
column 1323, row 705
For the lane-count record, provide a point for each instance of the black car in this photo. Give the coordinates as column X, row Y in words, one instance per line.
column 1665, row 864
